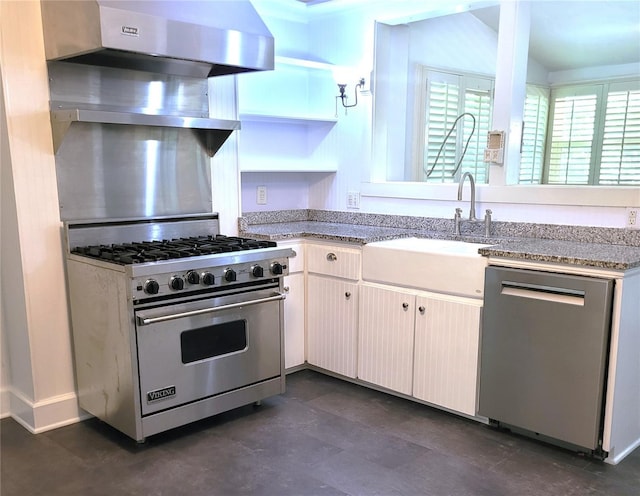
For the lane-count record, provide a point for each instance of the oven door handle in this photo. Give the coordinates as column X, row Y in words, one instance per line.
column 152, row 320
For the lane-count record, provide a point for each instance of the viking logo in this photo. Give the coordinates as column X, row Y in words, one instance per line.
column 161, row 394
column 129, row 31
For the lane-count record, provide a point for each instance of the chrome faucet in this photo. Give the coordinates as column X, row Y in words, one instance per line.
column 472, row 209
column 457, row 219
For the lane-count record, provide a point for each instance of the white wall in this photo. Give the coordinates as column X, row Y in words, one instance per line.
column 456, row 42
column 35, row 322
column 347, row 39
column 5, row 379
column 225, row 177
column 287, row 190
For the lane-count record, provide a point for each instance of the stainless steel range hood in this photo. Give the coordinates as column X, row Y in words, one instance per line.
column 181, row 37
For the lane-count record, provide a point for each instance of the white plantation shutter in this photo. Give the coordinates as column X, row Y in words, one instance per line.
column 443, row 94
column 594, row 136
column 449, row 96
column 536, row 116
column 571, row 137
column 620, row 159
column 478, row 103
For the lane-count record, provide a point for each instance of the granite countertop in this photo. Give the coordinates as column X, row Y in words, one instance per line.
column 332, row 231
column 605, row 256
column 598, row 255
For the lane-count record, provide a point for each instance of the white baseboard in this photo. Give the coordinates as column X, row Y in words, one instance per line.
column 45, row 415
column 618, row 457
column 5, row 402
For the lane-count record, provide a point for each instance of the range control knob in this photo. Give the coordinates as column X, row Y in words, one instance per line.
column 257, row 271
column 151, row 287
column 276, row 268
column 193, row 277
column 230, row 275
column 208, row 279
column 176, row 283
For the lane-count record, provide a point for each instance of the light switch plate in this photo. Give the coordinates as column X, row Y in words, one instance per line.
column 632, row 222
column 261, row 195
column 353, row 199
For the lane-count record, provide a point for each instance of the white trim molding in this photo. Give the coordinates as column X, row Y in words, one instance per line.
column 5, row 400
column 45, row 415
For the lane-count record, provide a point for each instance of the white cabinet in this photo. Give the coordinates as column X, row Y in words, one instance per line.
column 332, row 307
column 334, row 260
column 420, row 344
column 332, row 321
column 385, row 344
column 446, row 351
column 294, row 320
column 294, row 308
column 413, row 342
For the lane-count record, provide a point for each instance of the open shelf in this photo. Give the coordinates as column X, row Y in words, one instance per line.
column 271, row 165
column 287, row 118
column 300, row 62
column 301, row 120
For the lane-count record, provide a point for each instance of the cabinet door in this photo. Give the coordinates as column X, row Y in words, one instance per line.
column 332, row 324
column 447, row 340
column 385, row 343
column 294, row 321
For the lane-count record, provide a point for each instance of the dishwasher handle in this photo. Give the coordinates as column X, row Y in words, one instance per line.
column 162, row 318
column 553, row 294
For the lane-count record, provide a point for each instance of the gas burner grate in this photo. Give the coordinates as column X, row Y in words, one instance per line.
column 153, row 251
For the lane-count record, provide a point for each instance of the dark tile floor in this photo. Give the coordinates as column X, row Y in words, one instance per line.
column 324, row 437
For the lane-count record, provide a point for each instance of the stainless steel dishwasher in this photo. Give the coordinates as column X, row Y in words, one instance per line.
column 545, row 342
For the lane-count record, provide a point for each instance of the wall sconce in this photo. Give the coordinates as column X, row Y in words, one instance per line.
column 343, row 97
column 342, row 87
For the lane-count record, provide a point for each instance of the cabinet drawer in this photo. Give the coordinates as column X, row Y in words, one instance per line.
column 331, row 260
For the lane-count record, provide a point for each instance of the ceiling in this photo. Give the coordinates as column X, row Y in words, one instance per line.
column 565, row 34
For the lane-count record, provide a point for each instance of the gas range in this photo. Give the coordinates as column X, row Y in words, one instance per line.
column 153, row 251
column 178, row 266
column 173, row 322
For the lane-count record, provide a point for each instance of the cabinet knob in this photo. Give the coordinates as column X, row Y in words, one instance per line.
column 331, row 257
column 421, row 310
column 347, row 295
column 285, row 289
column 405, row 305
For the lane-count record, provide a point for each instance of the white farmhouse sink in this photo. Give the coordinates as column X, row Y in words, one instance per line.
column 442, row 265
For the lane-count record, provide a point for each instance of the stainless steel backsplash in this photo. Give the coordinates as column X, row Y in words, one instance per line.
column 108, row 171
column 136, row 91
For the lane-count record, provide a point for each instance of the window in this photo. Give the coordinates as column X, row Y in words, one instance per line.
column 456, row 119
column 593, row 135
column 571, row 135
column 536, row 115
column 620, row 159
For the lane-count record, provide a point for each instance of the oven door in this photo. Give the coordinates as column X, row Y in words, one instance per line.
column 191, row 351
